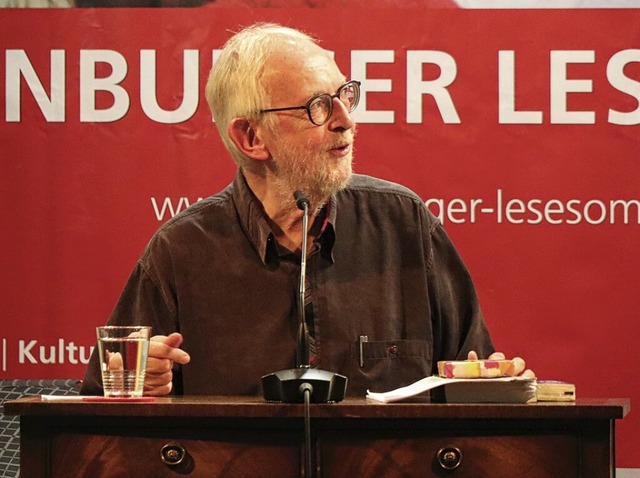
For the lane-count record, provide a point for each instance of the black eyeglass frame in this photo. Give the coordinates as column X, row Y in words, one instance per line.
column 353, row 83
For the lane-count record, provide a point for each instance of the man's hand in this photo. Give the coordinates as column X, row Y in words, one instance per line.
column 163, row 352
column 518, row 364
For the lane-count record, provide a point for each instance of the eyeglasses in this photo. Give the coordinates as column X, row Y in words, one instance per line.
column 320, row 107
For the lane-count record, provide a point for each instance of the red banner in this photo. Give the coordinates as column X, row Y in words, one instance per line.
column 518, row 128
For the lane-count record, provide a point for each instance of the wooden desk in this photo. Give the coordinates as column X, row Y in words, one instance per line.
column 244, row 437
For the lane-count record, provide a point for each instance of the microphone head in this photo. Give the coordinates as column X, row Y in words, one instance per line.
column 302, row 201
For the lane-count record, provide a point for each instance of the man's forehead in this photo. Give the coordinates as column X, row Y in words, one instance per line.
column 301, row 62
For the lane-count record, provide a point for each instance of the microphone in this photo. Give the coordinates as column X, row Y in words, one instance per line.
column 302, row 355
column 291, row 385
column 302, row 201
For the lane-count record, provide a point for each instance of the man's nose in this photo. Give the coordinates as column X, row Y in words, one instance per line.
column 340, row 116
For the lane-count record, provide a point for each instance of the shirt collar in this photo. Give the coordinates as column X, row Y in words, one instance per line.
column 328, row 234
column 253, row 220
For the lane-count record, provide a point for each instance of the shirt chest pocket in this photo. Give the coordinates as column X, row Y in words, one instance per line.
column 384, row 365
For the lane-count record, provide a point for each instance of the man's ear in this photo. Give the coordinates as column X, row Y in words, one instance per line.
column 247, row 140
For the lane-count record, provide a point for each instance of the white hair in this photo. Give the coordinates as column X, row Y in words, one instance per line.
column 234, row 88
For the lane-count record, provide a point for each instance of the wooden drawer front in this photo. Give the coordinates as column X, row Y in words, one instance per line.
column 229, row 454
column 540, row 456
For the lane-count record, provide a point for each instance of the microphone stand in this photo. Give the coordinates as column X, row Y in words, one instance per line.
column 304, row 384
column 297, row 384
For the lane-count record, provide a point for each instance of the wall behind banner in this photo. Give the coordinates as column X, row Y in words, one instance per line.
column 525, row 145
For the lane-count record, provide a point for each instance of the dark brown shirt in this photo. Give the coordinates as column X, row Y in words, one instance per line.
column 383, row 267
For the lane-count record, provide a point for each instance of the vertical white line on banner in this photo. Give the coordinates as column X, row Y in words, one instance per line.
column 4, row 355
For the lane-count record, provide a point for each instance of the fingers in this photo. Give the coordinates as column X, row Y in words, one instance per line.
column 473, row 355
column 173, row 340
column 114, row 361
column 157, row 390
column 156, row 366
column 166, row 347
column 159, row 377
column 163, row 352
column 517, row 367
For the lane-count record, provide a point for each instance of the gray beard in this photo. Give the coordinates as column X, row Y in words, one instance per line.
column 318, row 192
column 318, row 184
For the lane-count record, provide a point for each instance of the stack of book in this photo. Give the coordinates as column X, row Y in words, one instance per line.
column 479, row 381
column 464, row 390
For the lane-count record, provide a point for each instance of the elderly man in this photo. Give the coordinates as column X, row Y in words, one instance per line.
column 388, row 294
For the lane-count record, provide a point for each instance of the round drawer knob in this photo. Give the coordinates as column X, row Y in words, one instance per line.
column 172, row 454
column 449, row 457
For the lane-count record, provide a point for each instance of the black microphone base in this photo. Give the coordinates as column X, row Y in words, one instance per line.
column 284, row 386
